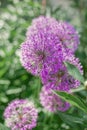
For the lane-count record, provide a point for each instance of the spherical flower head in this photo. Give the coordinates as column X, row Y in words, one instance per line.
column 56, row 74
column 21, row 115
column 52, row 102
column 68, row 35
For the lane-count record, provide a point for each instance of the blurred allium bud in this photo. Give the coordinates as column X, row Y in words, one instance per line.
column 21, row 115
column 52, row 102
column 45, row 40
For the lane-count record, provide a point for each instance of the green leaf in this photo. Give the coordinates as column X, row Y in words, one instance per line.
column 73, row 71
column 2, row 127
column 70, row 119
column 72, row 99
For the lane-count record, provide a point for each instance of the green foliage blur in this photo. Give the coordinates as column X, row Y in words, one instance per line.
column 15, row 81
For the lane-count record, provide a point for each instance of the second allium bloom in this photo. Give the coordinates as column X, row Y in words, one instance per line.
column 57, row 74
column 21, row 115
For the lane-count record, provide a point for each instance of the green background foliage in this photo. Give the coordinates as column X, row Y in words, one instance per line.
column 15, row 81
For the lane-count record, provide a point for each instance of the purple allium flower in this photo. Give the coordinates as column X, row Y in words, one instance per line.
column 21, row 115
column 44, row 40
column 56, row 74
column 40, row 44
column 52, row 102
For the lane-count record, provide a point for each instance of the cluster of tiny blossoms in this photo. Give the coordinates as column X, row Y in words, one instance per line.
column 21, row 115
column 49, row 43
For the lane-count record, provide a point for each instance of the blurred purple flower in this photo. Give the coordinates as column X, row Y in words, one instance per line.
column 52, row 102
